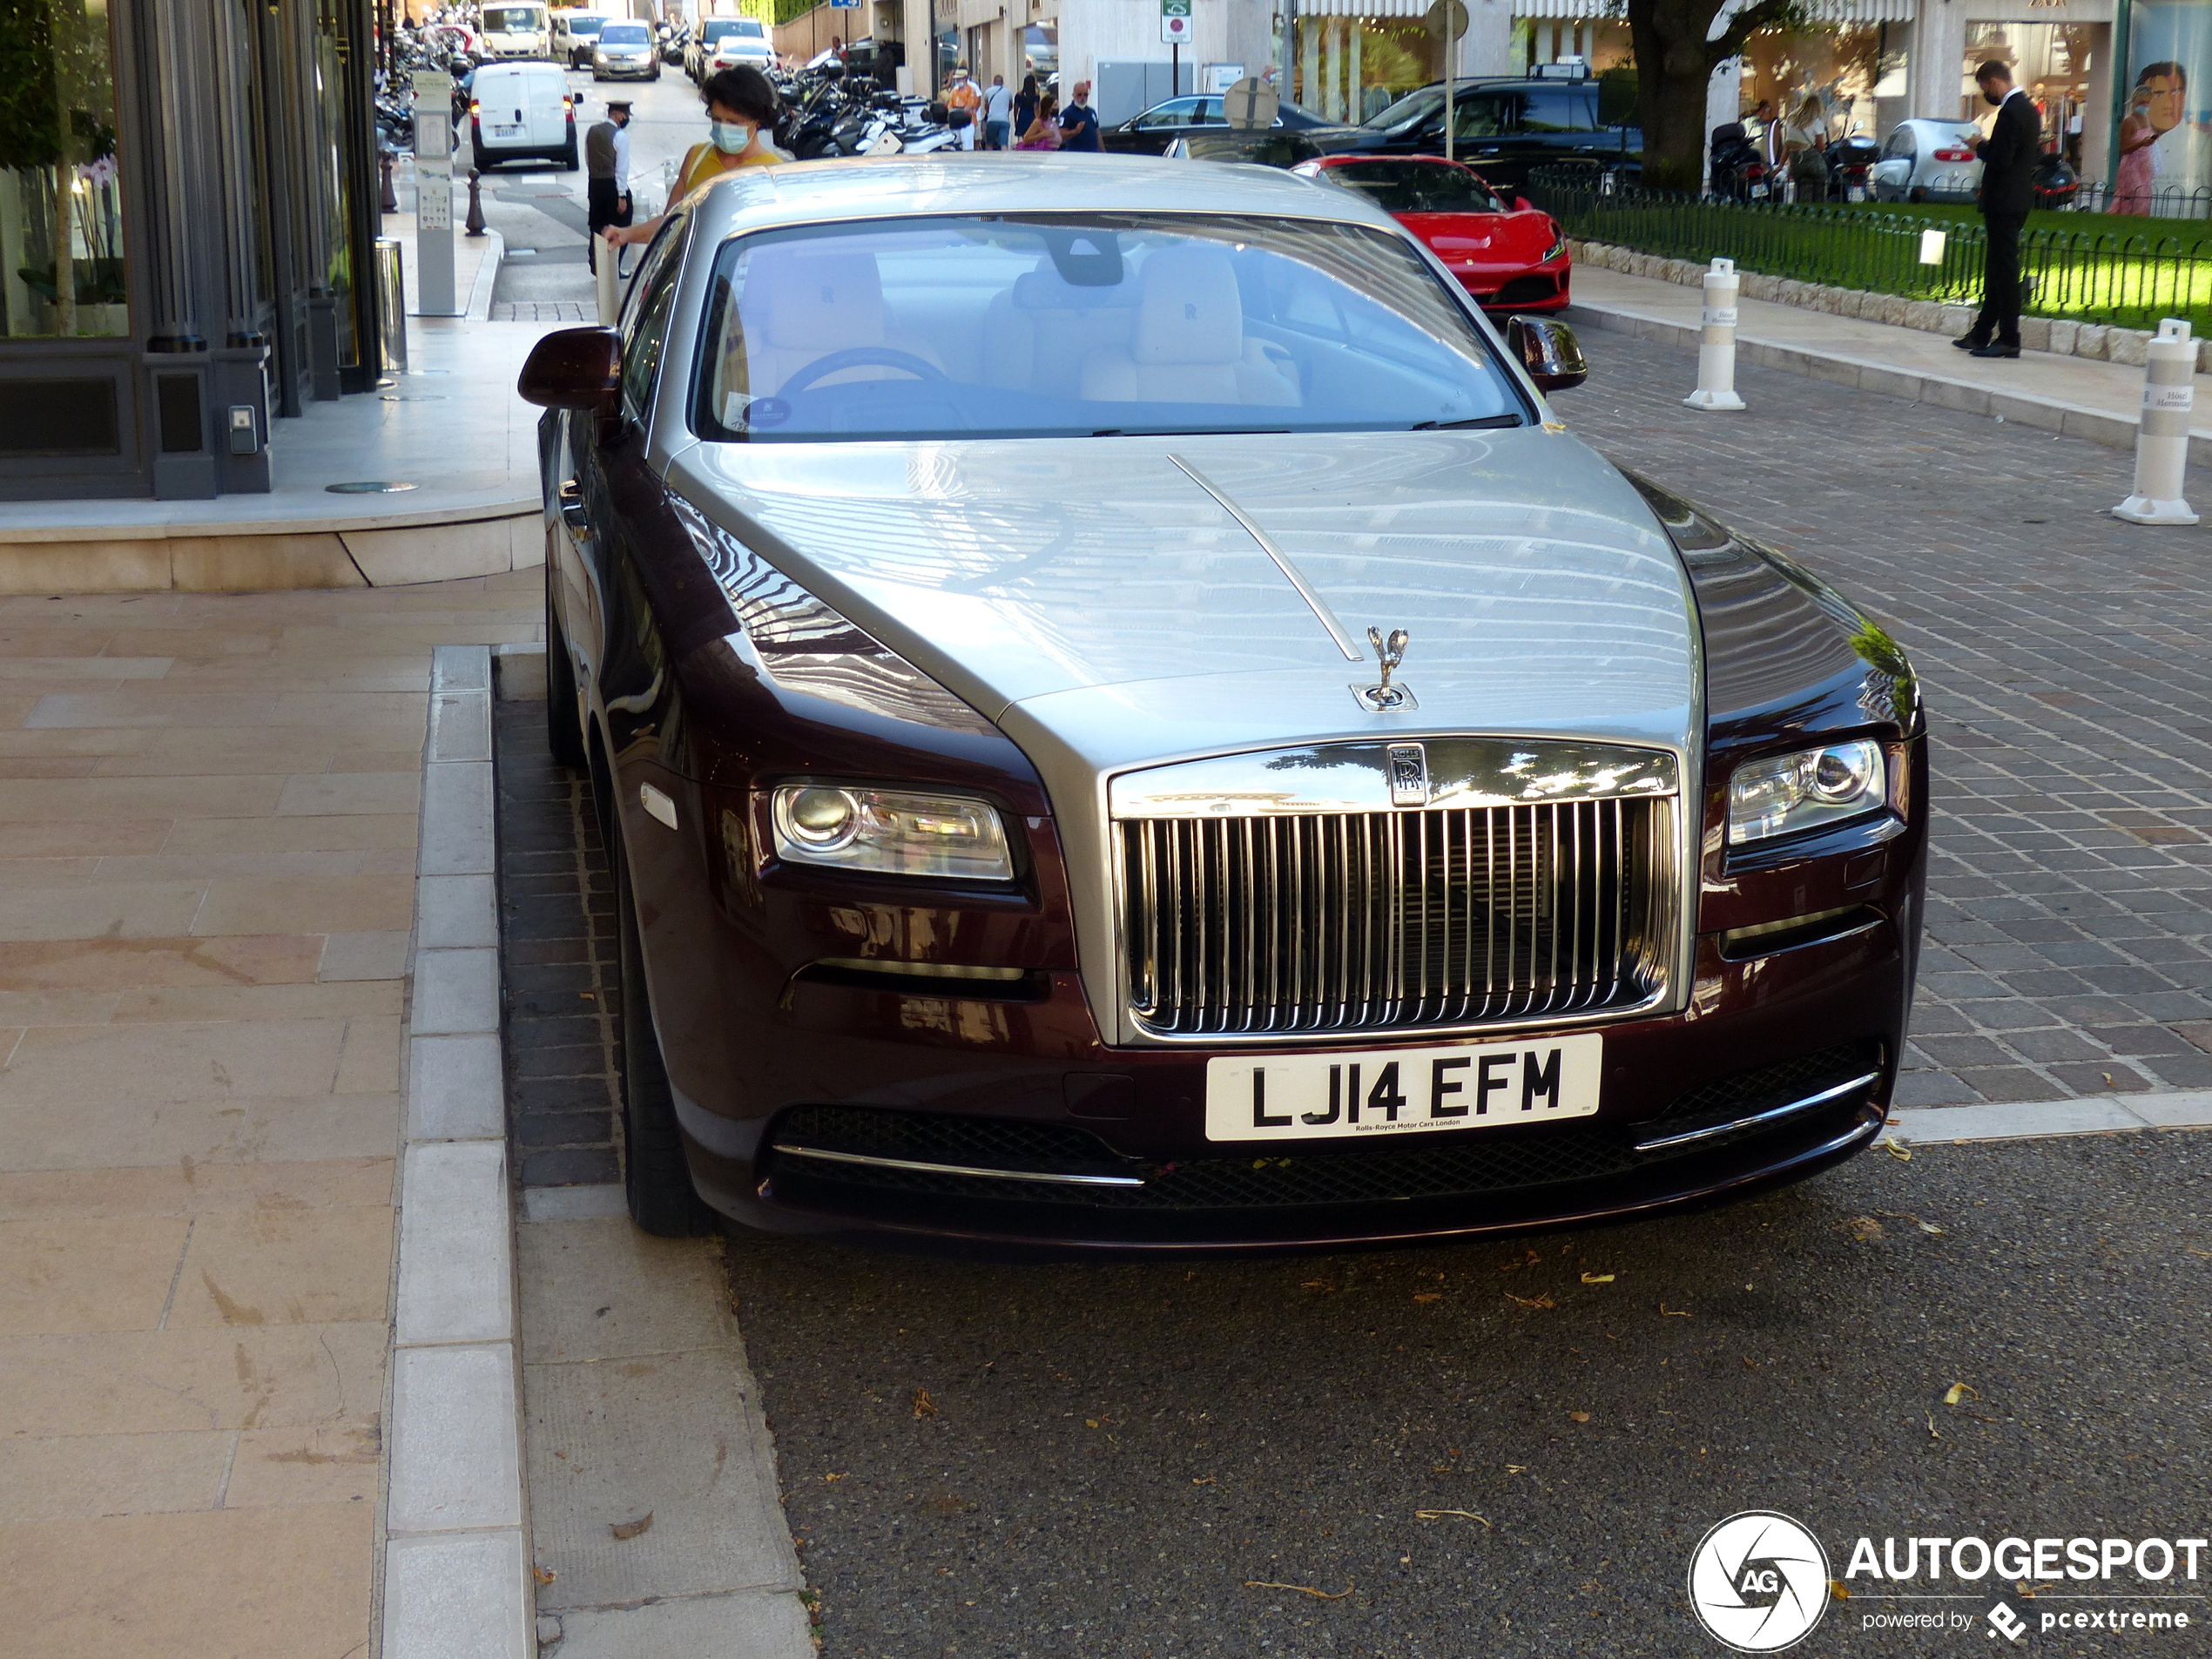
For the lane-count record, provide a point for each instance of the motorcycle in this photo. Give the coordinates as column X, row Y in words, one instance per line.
column 1739, row 173
column 1850, row 167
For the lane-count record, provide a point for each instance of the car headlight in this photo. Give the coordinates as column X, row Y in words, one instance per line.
column 1783, row 794
column 1558, row 245
column 890, row 833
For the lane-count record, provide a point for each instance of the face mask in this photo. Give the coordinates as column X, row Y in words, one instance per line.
column 1996, row 97
column 731, row 137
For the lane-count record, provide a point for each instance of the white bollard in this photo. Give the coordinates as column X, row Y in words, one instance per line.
column 609, row 287
column 1717, row 348
column 2162, row 441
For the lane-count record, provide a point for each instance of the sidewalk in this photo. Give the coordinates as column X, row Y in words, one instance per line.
column 2099, row 401
column 208, row 841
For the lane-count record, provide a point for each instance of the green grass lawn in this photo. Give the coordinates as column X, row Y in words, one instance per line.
column 2095, row 268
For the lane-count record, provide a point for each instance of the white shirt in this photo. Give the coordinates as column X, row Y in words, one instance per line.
column 622, row 161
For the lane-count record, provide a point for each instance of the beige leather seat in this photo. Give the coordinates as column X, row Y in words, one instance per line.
column 1037, row 337
column 1188, row 343
column 801, row 304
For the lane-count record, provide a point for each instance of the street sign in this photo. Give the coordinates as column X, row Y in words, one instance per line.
column 1175, row 27
column 1446, row 15
column 845, row 5
column 1250, row 104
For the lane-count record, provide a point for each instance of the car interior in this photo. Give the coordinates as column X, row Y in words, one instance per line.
column 919, row 333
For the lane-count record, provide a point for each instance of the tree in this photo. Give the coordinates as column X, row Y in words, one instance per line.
column 1676, row 53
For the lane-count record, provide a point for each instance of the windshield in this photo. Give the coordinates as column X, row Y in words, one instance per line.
column 1417, row 186
column 582, row 25
column 513, row 20
column 1415, row 106
column 1087, row 325
column 721, row 30
column 625, row 34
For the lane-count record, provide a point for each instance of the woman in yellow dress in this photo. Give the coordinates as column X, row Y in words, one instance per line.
column 743, row 107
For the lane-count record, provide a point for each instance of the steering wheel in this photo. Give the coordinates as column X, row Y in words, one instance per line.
column 856, row 357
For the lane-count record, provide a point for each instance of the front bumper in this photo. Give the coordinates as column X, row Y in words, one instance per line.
column 1822, row 1021
column 1543, row 287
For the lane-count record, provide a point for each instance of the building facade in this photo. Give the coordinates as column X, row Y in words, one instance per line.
column 188, row 207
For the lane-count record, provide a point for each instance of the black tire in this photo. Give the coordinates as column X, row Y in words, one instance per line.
column 655, row 1178
column 564, row 727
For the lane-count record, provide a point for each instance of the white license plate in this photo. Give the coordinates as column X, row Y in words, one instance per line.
column 1758, row 193
column 506, row 132
column 1400, row 1091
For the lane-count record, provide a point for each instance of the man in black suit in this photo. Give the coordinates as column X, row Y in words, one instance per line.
column 2007, row 192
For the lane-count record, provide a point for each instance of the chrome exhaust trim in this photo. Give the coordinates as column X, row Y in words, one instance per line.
column 1773, row 1114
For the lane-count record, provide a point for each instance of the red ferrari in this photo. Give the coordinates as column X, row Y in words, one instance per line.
column 1510, row 256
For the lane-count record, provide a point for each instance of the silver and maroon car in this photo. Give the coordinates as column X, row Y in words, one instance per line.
column 1122, row 719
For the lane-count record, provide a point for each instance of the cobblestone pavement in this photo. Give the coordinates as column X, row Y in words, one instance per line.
column 2070, row 895
column 556, row 947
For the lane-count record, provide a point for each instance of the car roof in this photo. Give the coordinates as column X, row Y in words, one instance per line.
column 984, row 182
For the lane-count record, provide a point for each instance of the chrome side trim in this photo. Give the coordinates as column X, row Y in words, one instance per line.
column 1356, row 778
column 1305, row 589
column 1772, row 1114
column 789, row 1150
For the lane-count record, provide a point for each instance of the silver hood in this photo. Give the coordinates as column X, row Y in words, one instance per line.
column 1108, row 612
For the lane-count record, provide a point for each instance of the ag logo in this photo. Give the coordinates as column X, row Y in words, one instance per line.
column 1759, row 1581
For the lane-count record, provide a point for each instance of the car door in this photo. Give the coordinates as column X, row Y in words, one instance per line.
column 1483, row 126
column 1558, row 123
column 1149, row 133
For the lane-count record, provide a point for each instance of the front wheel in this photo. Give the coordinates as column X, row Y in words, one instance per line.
column 655, row 1178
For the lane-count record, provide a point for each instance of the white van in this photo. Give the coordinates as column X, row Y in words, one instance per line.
column 575, row 33
column 518, row 110
column 518, row 29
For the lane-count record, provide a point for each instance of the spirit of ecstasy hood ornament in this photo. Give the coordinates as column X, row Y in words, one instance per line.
column 1383, row 698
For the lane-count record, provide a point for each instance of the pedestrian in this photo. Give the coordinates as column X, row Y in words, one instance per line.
column 1043, row 133
column 742, row 106
column 964, row 96
column 606, row 166
column 1079, row 122
column 998, row 113
column 2007, row 192
column 1025, row 105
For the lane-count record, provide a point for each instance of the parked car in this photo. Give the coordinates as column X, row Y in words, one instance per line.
column 1505, row 128
column 1151, row 132
column 723, row 43
column 1125, row 721
column 1929, row 161
column 522, row 111
column 517, row 29
column 575, row 33
column 624, row 51
column 1505, row 253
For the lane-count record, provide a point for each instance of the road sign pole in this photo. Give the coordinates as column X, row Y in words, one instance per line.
column 1451, row 80
column 1175, row 68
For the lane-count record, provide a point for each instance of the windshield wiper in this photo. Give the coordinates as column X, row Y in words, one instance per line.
column 1191, row 432
column 1461, row 426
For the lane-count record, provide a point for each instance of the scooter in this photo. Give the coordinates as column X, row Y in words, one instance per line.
column 1739, row 173
column 1850, row 167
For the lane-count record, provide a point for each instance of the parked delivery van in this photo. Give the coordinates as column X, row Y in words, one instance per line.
column 518, row 29
column 521, row 110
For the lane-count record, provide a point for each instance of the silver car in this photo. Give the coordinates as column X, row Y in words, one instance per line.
column 1929, row 161
column 1124, row 720
column 625, row 51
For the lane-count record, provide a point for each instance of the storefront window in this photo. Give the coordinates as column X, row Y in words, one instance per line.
column 1854, row 78
column 2161, row 167
column 2051, row 62
column 61, row 194
column 1350, row 69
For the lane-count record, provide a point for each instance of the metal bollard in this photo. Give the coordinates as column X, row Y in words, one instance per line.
column 1717, row 350
column 476, row 225
column 2162, row 439
column 609, row 287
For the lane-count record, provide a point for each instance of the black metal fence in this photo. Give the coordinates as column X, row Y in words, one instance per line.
column 2132, row 278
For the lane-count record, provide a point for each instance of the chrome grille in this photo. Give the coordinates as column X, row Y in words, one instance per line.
column 1386, row 920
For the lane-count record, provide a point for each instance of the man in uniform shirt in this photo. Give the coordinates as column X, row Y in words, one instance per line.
column 606, row 165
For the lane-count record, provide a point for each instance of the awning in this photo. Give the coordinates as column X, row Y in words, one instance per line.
column 1847, row 12
column 1372, row 8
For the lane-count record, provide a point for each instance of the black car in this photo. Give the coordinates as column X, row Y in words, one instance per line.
column 1505, row 128
column 1150, row 133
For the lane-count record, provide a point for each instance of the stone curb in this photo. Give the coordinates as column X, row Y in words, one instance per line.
column 2046, row 415
column 2034, row 1119
column 479, row 307
column 456, row 1559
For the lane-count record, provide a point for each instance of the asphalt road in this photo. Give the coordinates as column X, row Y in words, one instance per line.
column 1074, row 1459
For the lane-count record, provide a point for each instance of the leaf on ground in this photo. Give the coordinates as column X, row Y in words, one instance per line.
column 1840, row 1590
column 629, row 1529
column 1090, row 1422
column 924, row 1406
column 1578, row 1416
column 1428, row 1296
column 1516, row 1468
column 543, row 1574
column 1931, row 1428
column 1438, row 1515
column 1529, row 1260
column 1896, row 1150
column 1316, row 1285
column 1960, row 1391
column 1865, row 1229
column 836, row 1477
column 1598, row 1278
column 1303, row 1589
column 1531, row 1301
column 1202, row 1480
column 1666, row 1313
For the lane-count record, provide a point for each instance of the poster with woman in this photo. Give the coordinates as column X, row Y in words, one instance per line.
column 2163, row 166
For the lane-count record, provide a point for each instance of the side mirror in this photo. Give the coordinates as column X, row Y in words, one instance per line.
column 1548, row 350
column 575, row 369
column 1522, row 204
